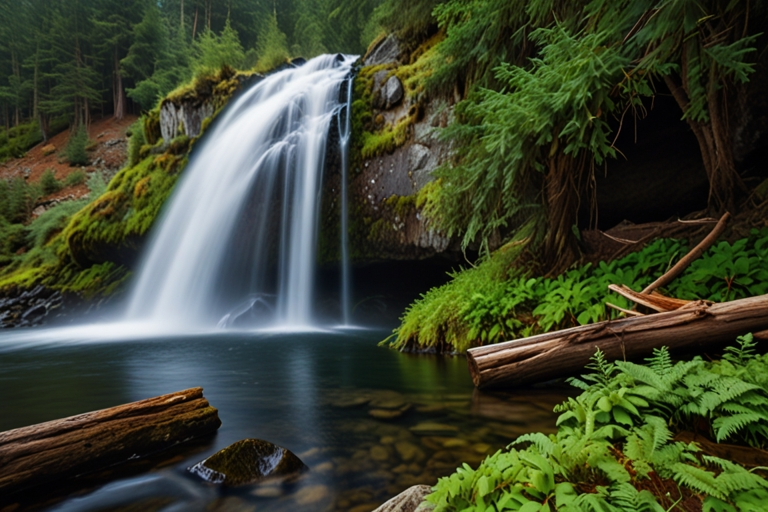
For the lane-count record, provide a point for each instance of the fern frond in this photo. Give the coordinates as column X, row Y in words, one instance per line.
column 727, row 426
column 626, row 497
column 541, row 441
column 661, row 362
column 698, row 479
column 744, row 352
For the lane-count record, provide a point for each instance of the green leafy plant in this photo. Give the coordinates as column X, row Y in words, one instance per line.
column 614, row 437
column 495, row 301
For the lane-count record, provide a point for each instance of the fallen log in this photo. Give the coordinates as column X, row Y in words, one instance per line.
column 563, row 353
column 65, row 448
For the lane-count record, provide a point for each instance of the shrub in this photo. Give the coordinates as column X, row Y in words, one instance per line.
column 48, row 182
column 76, row 148
column 75, row 178
column 17, row 198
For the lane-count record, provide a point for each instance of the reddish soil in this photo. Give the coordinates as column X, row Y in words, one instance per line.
column 109, row 154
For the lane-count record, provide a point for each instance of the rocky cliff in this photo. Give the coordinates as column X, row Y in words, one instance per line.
column 395, row 130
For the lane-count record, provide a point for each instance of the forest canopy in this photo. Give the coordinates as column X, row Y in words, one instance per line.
column 73, row 59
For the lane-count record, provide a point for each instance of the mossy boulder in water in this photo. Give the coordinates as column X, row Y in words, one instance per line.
column 248, row 461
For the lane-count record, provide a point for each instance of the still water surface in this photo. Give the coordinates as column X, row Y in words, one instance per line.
column 316, row 394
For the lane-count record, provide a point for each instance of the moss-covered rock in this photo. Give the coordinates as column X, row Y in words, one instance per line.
column 247, row 462
column 395, row 149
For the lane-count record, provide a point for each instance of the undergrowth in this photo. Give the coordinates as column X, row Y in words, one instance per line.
column 616, row 450
column 495, row 301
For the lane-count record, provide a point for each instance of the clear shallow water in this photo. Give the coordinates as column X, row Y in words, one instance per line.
column 313, row 393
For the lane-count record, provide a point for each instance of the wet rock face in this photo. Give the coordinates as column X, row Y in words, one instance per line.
column 184, row 118
column 388, row 50
column 385, row 187
column 248, row 461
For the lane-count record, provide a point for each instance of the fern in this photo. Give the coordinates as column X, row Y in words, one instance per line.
column 742, row 354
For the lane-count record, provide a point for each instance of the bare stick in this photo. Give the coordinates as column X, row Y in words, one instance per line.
column 625, row 311
column 688, row 258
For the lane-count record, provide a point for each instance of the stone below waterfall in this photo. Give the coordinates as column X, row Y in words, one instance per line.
column 248, row 461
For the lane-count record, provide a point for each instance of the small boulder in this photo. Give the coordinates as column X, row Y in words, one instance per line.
column 246, row 462
column 408, row 501
column 48, row 149
column 392, row 92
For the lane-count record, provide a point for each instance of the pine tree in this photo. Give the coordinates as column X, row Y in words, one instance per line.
column 113, row 23
column 150, row 46
column 272, row 46
column 76, row 81
column 214, row 51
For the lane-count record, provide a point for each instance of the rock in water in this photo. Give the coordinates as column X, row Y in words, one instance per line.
column 409, row 500
column 248, row 461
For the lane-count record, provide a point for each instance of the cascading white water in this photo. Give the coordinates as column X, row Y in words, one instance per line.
column 239, row 234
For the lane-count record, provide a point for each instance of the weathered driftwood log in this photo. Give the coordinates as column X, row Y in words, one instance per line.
column 87, row 442
column 563, row 353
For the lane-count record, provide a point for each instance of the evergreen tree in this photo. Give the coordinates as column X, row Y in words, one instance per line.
column 75, row 151
column 272, row 46
column 150, row 46
column 76, row 81
column 113, row 24
column 214, row 51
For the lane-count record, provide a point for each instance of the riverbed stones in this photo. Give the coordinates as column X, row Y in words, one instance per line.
column 389, row 414
column 408, row 500
column 312, row 494
column 429, row 428
column 409, row 451
column 248, row 461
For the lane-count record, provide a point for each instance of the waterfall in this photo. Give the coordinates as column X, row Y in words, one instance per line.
column 238, row 238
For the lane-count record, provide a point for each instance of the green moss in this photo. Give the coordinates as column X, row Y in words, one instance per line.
column 386, row 140
column 152, row 133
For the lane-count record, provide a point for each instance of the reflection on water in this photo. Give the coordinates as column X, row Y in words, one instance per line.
column 368, row 421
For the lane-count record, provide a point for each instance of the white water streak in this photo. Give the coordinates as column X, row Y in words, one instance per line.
column 272, row 138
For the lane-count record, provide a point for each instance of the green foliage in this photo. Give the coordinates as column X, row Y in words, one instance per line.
column 74, row 178
column 614, row 436
column 75, row 151
column 15, row 142
column 214, row 51
column 48, row 182
column 135, row 141
column 544, row 78
column 411, row 20
column 17, row 198
column 272, row 46
column 495, row 302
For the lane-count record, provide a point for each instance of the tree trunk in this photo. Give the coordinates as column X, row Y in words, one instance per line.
column 561, row 189
column 61, row 449
column 564, row 353
column 194, row 24
column 714, row 144
column 119, row 94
